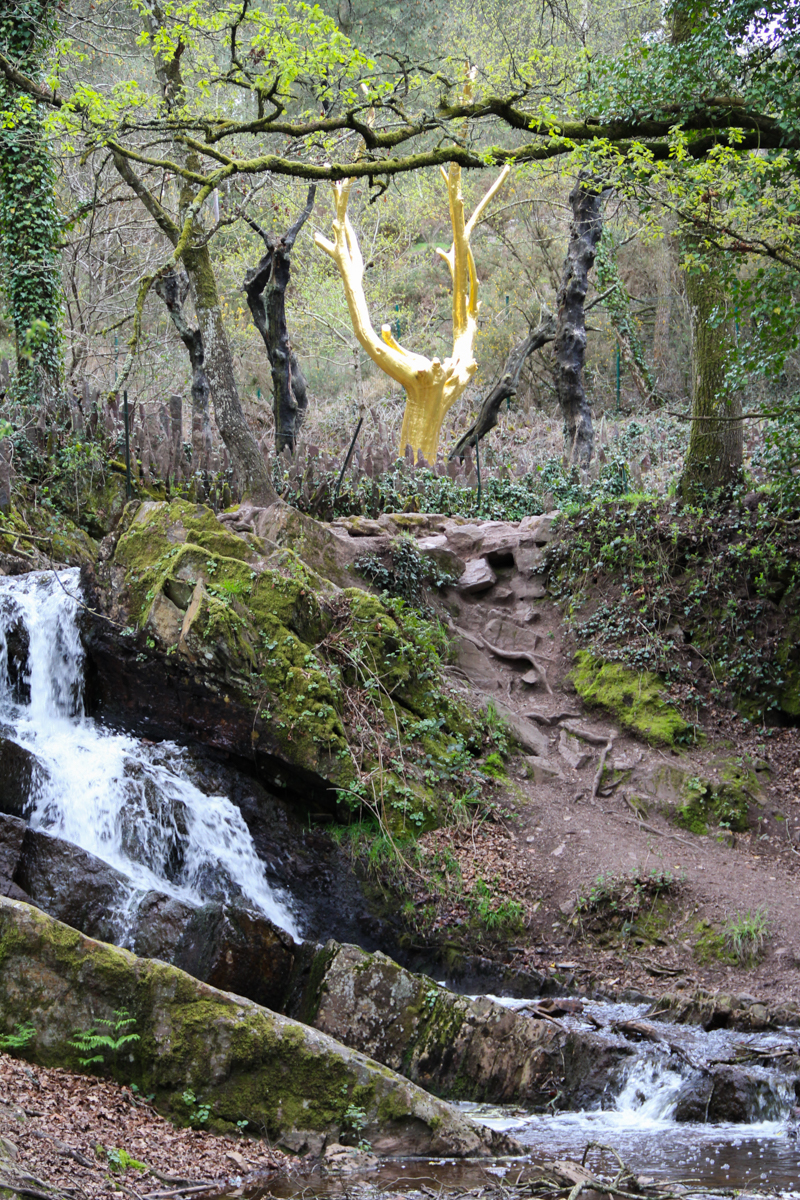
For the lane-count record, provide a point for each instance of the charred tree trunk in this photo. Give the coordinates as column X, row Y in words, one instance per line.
column 173, row 288
column 570, row 340
column 265, row 288
column 506, row 386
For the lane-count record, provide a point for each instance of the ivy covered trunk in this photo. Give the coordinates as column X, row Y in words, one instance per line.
column 714, row 457
column 570, row 341
column 30, row 227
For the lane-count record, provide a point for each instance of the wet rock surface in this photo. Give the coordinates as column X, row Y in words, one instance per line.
column 20, row 773
column 246, row 1062
column 450, row 1044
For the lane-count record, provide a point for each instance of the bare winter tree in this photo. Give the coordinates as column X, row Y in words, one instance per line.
column 265, row 288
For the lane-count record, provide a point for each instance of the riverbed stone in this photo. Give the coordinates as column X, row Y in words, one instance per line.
column 21, row 775
column 245, row 1062
column 239, row 951
column 455, row 1046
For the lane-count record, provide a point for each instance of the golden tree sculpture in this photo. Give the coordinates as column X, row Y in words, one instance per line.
column 431, row 386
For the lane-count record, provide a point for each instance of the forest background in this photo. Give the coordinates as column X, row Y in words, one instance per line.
column 143, row 140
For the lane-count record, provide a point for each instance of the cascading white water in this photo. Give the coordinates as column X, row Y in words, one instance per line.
column 125, row 801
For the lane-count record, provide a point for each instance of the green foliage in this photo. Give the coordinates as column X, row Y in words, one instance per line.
column 96, row 1045
column 406, row 573
column 703, row 596
column 726, row 803
column 355, row 1121
column 30, row 224
column 740, row 942
column 780, row 460
column 120, row 1160
column 498, row 915
column 621, row 906
column 23, row 1035
column 745, row 936
column 198, row 1112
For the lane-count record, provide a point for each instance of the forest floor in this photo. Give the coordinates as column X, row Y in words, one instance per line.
column 616, row 893
column 93, row 1138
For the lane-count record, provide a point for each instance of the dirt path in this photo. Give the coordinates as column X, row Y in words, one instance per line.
column 562, row 838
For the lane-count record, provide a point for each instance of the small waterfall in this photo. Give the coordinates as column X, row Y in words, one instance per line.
column 126, row 801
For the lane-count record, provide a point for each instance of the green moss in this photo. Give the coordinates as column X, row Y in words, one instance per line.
column 636, row 698
column 710, row 944
column 726, row 802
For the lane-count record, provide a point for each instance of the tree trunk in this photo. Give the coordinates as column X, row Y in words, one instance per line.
column 570, row 341
column 271, row 278
column 30, row 223
column 506, row 386
column 251, row 469
column 173, row 288
column 714, row 457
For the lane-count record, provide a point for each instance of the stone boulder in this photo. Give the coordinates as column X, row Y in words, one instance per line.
column 245, row 1062
column 727, row 1094
column 451, row 1045
column 12, row 835
column 232, row 948
column 21, row 775
column 237, row 951
column 71, row 884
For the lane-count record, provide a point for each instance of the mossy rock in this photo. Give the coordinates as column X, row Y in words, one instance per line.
column 26, row 530
column 265, row 626
column 245, row 1062
column 636, row 698
column 723, row 801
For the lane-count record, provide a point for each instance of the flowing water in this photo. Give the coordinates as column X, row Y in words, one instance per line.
column 129, row 802
column 638, row 1115
column 134, row 805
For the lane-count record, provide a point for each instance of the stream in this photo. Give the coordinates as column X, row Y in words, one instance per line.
column 133, row 804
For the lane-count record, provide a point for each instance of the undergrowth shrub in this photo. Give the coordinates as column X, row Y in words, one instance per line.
column 704, row 596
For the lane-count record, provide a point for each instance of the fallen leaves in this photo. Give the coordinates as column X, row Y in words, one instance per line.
column 79, row 1133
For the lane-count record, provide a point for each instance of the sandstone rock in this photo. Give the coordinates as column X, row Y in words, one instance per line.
column 237, row 951
column 451, row 1044
column 465, row 540
column 165, row 620
column 528, row 735
column 528, row 559
column 478, row 577
column 21, row 775
column 542, row 770
column 244, row 1061
column 539, row 529
column 571, row 751
column 507, row 635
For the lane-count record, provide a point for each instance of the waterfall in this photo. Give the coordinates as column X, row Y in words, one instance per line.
column 127, row 801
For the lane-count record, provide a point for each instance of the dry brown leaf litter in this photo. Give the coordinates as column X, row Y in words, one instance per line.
column 63, row 1125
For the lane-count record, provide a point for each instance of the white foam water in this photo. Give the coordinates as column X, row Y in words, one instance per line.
column 124, row 800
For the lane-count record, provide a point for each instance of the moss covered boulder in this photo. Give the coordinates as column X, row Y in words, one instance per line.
column 637, row 699
column 226, row 637
column 452, row 1045
column 246, row 1063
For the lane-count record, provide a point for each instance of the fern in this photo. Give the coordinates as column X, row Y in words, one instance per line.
column 117, row 1035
